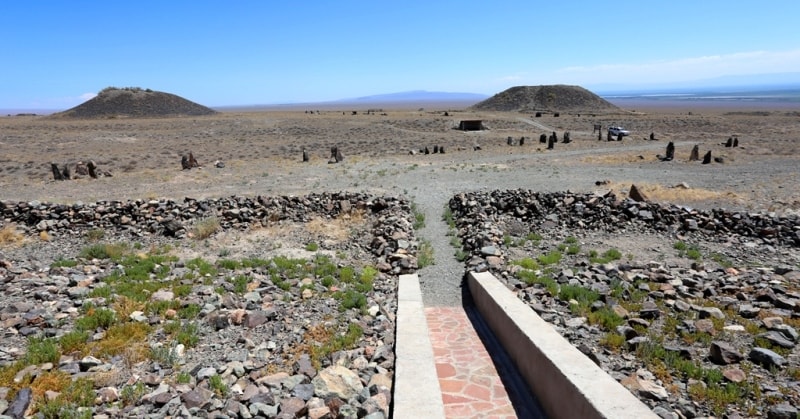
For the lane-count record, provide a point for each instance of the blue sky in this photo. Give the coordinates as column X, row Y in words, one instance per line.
column 57, row 54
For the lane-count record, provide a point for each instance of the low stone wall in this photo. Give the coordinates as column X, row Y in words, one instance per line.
column 609, row 213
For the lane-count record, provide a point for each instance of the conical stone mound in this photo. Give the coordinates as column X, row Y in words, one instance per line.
column 135, row 102
column 548, row 98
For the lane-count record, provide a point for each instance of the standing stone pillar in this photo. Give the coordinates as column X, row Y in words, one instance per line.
column 56, row 172
column 695, row 156
column 92, row 169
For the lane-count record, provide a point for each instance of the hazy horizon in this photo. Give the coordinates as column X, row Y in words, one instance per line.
column 785, row 92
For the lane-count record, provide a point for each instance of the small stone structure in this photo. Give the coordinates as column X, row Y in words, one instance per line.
column 471, row 125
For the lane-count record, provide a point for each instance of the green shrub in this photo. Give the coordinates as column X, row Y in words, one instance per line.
column 366, row 279
column 347, row 274
column 527, row 263
column 351, row 299
column 337, row 343
column 164, row 355
column 131, row 394
column 184, row 378
column 240, row 284
column 216, row 384
column 72, row 402
column 42, row 350
column 95, row 234
column 419, row 218
column 606, row 318
column 425, row 254
column 323, row 265
column 228, row 264
column 613, row 341
column 73, row 341
column 447, row 217
column 551, row 258
column 95, row 318
column 687, row 250
column 584, row 296
column 64, row 263
column 104, row 251
column 312, row 247
column 534, row 237
column 607, row 256
column 202, row 267
column 184, row 333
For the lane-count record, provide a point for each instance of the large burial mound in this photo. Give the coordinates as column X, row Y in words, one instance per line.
column 548, row 98
column 135, row 102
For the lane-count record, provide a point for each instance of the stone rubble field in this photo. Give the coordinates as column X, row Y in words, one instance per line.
column 127, row 328
column 696, row 312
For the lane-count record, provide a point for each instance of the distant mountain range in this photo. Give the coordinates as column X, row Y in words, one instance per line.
column 418, row 96
column 760, row 85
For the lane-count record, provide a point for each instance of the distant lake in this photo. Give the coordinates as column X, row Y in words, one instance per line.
column 782, row 99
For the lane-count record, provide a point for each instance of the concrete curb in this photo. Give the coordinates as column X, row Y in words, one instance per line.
column 416, row 384
column 566, row 382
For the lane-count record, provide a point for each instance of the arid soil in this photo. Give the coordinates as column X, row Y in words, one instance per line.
column 259, row 153
column 262, row 152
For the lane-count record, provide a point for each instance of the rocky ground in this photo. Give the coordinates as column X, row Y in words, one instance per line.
column 244, row 282
column 698, row 315
column 151, row 320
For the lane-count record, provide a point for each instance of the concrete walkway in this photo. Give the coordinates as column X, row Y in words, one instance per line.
column 450, row 365
column 470, row 384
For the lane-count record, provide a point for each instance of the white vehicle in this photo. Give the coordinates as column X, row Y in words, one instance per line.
column 617, row 130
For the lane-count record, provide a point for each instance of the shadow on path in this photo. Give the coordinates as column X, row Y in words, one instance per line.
column 525, row 403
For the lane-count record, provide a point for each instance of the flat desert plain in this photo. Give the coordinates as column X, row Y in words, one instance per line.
column 262, row 151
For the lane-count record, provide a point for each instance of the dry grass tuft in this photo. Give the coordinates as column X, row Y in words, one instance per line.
column 675, row 193
column 124, row 306
column 612, row 159
column 338, row 229
column 205, row 228
column 50, row 381
column 127, row 339
column 9, row 236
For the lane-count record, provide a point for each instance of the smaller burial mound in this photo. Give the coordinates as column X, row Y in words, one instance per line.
column 546, row 98
column 135, row 102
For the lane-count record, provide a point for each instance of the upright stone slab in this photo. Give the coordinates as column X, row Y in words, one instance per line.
column 670, row 151
column 707, row 157
column 695, row 155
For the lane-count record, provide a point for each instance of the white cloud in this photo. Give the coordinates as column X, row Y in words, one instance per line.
column 687, row 69
column 87, row 96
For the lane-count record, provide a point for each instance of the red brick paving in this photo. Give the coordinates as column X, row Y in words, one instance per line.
column 471, row 387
